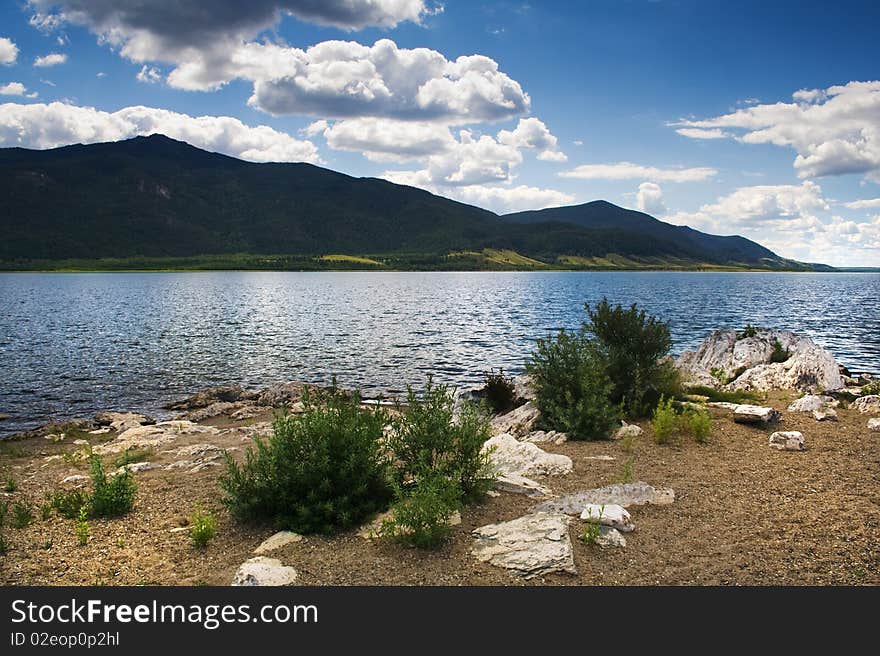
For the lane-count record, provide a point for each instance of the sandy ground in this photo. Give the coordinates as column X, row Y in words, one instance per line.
column 744, row 514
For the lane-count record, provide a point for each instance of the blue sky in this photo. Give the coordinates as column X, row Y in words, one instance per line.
column 753, row 118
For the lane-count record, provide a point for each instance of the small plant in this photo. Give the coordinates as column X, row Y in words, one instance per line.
column 132, row 455
column 110, row 497
column 203, row 527
column 4, row 547
column 48, row 544
column 10, row 486
column 871, row 388
column 83, row 531
column 593, row 530
column 500, row 391
column 68, row 503
column 22, row 515
column 698, row 423
column 719, row 374
column 321, row 471
column 120, row 543
column 421, row 517
column 748, row 331
column 664, row 422
column 779, row 354
column 46, row 511
column 626, row 472
column 4, row 510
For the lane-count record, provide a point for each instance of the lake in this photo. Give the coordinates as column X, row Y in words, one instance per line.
column 73, row 344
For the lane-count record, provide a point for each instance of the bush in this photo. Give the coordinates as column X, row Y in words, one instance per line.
column 697, row 423
column 749, row 331
column 421, row 517
column 427, row 443
column 83, row 531
column 779, row 353
column 500, row 391
column 69, row 503
column 319, row 472
column 871, row 388
column 110, row 497
column 631, row 343
column 664, row 422
column 22, row 515
column 10, row 486
column 572, row 388
column 203, row 527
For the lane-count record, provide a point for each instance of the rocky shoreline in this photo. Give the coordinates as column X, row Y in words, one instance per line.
column 698, row 497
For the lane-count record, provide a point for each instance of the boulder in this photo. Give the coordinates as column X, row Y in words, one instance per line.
column 281, row 394
column 144, row 437
column 874, row 425
column 275, row 542
column 530, row 546
column 75, row 479
column 137, row 467
column 516, row 484
column 727, row 361
column 546, row 437
column 122, row 421
column 610, row 514
column 212, row 395
column 627, row 430
column 869, row 403
column 755, row 414
column 260, row 570
column 787, row 441
column 507, row 455
column 518, row 422
column 621, row 494
column 610, row 537
column 825, row 414
column 812, row 402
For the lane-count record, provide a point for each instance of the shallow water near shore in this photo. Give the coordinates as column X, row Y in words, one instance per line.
column 74, row 344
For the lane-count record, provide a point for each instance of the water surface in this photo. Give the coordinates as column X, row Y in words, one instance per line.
column 73, row 344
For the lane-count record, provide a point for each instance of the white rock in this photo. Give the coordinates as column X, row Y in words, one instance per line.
column 611, row 515
column 122, row 421
column 275, row 542
column 787, row 441
column 724, row 405
column 518, row 422
column 746, row 362
column 516, row 484
column 144, row 437
column 869, row 403
column 755, row 414
column 811, row 403
column 610, row 537
column 627, row 430
column 507, row 455
column 99, row 431
column 825, row 414
column 531, row 546
column 76, row 478
column 874, row 425
column 622, row 494
column 546, row 437
column 137, row 467
column 265, row 572
column 80, row 442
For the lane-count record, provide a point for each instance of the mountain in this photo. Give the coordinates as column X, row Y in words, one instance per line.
column 154, row 197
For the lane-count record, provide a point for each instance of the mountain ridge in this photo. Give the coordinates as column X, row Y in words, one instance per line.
column 154, row 197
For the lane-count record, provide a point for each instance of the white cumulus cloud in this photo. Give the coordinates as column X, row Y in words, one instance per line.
column 13, row 89
column 53, row 59
column 649, row 199
column 57, row 124
column 630, row 171
column 834, row 131
column 8, row 51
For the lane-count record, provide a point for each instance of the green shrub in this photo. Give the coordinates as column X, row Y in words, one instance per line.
column 421, row 517
column 697, row 423
column 572, row 388
column 10, row 486
column 626, row 472
column 132, row 455
column 719, row 374
column 68, row 503
column 83, row 531
column 427, row 443
column 319, row 472
column 46, row 511
column 632, row 343
column 779, row 353
column 203, row 527
column 664, row 422
column 871, row 388
column 749, row 331
column 500, row 391
column 22, row 515
column 592, row 531
column 110, row 497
